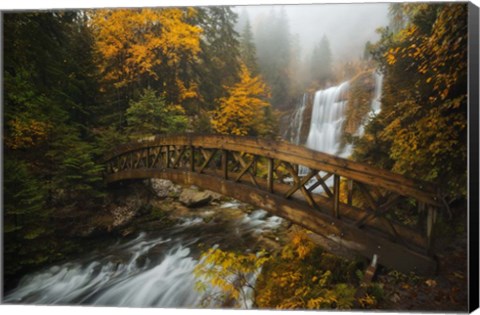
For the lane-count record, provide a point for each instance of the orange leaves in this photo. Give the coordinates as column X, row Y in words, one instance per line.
column 242, row 112
column 145, row 42
column 390, row 55
column 26, row 133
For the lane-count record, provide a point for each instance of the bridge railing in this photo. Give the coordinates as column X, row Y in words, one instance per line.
column 359, row 195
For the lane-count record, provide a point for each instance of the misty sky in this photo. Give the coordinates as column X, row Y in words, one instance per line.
column 347, row 26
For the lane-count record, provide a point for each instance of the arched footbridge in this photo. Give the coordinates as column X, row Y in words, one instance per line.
column 366, row 209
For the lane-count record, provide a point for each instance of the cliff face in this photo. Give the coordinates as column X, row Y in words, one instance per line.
column 360, row 95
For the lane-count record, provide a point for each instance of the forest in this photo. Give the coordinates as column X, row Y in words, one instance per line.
column 78, row 83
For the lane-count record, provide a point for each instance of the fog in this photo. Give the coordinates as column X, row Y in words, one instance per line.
column 347, row 26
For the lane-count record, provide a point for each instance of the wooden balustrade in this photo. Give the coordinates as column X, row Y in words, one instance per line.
column 349, row 202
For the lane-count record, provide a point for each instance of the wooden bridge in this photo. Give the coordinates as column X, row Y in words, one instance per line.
column 366, row 209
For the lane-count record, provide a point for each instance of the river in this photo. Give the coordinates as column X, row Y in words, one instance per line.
column 151, row 269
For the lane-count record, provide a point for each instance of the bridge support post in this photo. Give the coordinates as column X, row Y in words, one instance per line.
column 270, row 175
column 167, row 156
column 192, row 159
column 336, row 195
column 431, row 219
column 225, row 164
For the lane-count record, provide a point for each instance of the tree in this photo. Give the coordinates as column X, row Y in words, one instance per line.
column 146, row 48
column 248, row 52
column 219, row 59
column 273, row 43
column 50, row 89
column 151, row 115
column 321, row 63
column 424, row 103
column 242, row 111
column 228, row 271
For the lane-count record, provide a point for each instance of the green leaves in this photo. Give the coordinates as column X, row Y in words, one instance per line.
column 151, row 115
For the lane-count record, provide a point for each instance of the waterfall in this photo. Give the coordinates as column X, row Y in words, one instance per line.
column 377, row 95
column 327, row 120
column 297, row 122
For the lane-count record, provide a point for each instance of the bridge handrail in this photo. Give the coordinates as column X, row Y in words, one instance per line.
column 421, row 190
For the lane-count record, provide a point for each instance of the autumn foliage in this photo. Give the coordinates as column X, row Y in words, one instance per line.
column 147, row 46
column 243, row 111
column 422, row 128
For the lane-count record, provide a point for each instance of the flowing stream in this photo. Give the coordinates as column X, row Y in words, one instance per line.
column 151, row 270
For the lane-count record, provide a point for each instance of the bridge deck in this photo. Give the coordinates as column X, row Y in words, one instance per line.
column 358, row 210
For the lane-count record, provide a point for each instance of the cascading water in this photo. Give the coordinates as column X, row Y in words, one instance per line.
column 376, row 102
column 297, row 122
column 375, row 106
column 152, row 270
column 327, row 120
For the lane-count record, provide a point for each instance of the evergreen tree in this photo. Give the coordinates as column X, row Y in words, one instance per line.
column 218, row 64
column 273, row 45
column 49, row 98
column 151, row 115
column 248, row 52
column 321, row 63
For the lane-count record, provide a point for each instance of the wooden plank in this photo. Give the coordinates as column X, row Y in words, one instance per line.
column 246, row 167
column 244, row 170
column 156, row 157
column 381, row 210
column 371, row 202
column 209, row 155
column 179, row 154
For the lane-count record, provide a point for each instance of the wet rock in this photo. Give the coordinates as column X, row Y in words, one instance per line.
column 122, row 215
column 193, row 198
column 164, row 188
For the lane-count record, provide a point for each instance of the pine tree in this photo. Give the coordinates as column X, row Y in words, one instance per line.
column 218, row 64
column 151, row 115
column 273, row 43
column 321, row 63
column 248, row 51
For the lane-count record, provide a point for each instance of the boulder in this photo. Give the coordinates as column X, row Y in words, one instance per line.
column 161, row 187
column 194, row 198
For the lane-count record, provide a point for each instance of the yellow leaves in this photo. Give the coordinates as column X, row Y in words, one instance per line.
column 145, row 42
column 367, row 301
column 390, row 55
column 26, row 133
column 227, row 271
column 242, row 111
column 302, row 244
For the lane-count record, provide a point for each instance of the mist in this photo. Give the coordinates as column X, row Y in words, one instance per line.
column 347, row 26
